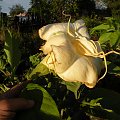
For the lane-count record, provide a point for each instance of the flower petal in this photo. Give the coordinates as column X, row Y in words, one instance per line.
column 71, row 53
column 64, row 56
column 82, row 70
column 52, row 29
column 81, row 28
column 57, row 40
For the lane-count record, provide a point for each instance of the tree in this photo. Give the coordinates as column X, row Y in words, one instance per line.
column 76, row 8
column 56, row 8
column 40, row 10
column 51, row 10
column 16, row 9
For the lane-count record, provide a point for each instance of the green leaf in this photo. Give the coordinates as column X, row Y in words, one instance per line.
column 92, row 103
column 110, row 103
column 113, row 37
column 35, row 59
column 72, row 86
column 100, row 27
column 113, row 69
column 104, row 38
column 45, row 107
column 69, row 118
column 11, row 49
column 2, row 62
column 39, row 70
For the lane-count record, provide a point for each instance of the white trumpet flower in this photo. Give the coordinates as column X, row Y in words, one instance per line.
column 71, row 53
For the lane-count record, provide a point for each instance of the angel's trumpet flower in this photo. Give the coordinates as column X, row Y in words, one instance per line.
column 71, row 53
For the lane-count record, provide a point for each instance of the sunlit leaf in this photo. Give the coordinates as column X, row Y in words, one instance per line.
column 35, row 59
column 39, row 70
column 92, row 103
column 72, row 86
column 45, row 107
column 100, row 27
column 104, row 38
column 112, row 37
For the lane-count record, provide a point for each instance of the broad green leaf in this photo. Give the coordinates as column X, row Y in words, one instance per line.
column 104, row 37
column 73, row 86
column 112, row 37
column 109, row 101
column 100, row 27
column 45, row 107
column 39, row 70
column 12, row 49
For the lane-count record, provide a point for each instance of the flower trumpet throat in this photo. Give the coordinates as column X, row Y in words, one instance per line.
column 71, row 53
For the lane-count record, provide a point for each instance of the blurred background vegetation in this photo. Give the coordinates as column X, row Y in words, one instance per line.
column 20, row 55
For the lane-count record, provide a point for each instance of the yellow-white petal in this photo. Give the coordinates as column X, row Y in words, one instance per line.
column 71, row 53
column 82, row 70
column 64, row 56
column 49, row 61
column 52, row 29
column 83, row 46
column 57, row 40
column 81, row 28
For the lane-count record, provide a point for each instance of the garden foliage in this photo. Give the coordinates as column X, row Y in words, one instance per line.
column 56, row 99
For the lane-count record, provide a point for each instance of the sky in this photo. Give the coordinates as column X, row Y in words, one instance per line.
column 5, row 4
